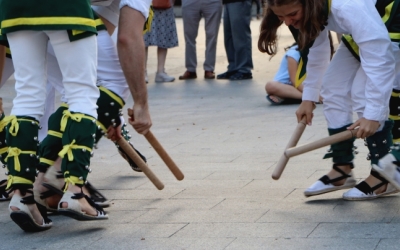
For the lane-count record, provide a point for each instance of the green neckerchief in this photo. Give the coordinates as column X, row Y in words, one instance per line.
column 390, row 12
column 301, row 73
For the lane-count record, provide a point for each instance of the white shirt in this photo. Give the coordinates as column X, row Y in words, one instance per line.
column 360, row 19
column 111, row 11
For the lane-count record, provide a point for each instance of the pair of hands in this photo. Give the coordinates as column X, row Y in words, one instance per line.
column 366, row 127
column 141, row 124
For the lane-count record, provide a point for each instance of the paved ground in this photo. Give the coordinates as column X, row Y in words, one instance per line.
column 226, row 139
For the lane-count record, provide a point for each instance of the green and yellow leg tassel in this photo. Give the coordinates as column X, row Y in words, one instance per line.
column 341, row 152
column 379, row 144
column 22, row 140
column 52, row 144
column 109, row 110
column 394, row 109
column 78, row 140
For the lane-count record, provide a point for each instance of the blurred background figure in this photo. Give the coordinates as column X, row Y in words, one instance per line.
column 163, row 35
column 258, row 5
column 237, row 40
column 192, row 11
column 283, row 84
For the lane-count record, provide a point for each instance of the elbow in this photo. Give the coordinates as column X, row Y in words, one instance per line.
column 123, row 40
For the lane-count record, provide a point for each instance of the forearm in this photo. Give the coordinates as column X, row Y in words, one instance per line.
column 131, row 53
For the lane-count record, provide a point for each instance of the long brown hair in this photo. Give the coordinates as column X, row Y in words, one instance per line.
column 314, row 18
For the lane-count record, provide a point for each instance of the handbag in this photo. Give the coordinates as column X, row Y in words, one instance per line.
column 162, row 4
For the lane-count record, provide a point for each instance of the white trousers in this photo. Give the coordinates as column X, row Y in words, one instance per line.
column 109, row 71
column 49, row 108
column 77, row 61
column 343, row 88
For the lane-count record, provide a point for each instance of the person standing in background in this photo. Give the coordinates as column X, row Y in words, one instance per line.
column 237, row 39
column 192, row 11
column 163, row 35
column 258, row 4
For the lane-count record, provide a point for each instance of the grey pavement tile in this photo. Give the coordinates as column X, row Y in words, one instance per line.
column 246, row 230
column 234, row 192
column 172, row 203
column 182, row 215
column 214, row 183
column 241, row 174
column 334, row 211
column 303, row 243
column 152, row 230
column 246, row 204
column 357, row 230
column 388, row 244
column 124, row 242
column 210, row 243
column 141, row 194
column 190, row 174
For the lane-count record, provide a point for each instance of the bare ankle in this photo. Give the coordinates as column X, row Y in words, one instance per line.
column 333, row 174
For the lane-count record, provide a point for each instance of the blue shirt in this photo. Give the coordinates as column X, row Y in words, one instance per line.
column 282, row 75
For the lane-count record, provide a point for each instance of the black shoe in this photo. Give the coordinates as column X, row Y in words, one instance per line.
column 226, row 75
column 241, row 76
column 97, row 197
column 129, row 160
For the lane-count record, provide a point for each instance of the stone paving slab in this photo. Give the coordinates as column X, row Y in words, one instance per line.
column 304, row 243
column 226, row 139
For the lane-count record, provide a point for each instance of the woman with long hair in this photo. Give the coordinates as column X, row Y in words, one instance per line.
column 359, row 79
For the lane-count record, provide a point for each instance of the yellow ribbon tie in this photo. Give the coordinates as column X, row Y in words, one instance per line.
column 67, row 150
column 15, row 179
column 55, row 133
column 46, row 161
column 68, row 114
column 15, row 152
column 14, row 124
column 3, row 150
column 71, row 180
column 9, row 181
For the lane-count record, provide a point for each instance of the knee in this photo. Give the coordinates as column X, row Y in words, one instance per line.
column 271, row 87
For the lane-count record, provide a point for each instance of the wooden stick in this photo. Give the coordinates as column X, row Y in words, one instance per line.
column 342, row 136
column 141, row 164
column 164, row 156
column 280, row 166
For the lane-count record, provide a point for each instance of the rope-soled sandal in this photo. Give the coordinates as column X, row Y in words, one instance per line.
column 324, row 184
column 74, row 209
column 41, row 198
column 96, row 196
column 389, row 168
column 23, row 217
column 363, row 191
column 51, row 185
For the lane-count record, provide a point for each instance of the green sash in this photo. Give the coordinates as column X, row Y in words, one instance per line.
column 75, row 15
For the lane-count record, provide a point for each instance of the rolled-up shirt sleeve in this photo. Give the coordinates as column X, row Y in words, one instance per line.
column 142, row 6
column 318, row 61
